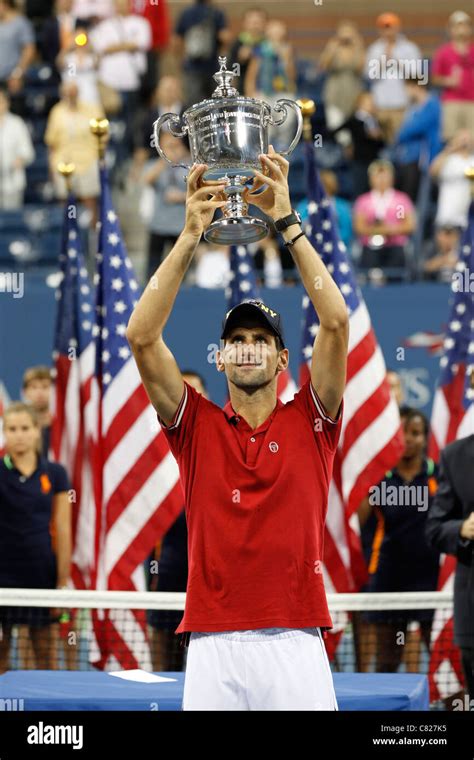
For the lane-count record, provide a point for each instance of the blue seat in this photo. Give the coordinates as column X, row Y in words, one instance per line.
column 17, row 249
column 11, row 221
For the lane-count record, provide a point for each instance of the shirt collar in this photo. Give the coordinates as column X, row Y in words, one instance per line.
column 40, row 465
column 233, row 417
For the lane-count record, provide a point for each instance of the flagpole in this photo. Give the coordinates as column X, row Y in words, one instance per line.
column 308, row 108
column 100, row 128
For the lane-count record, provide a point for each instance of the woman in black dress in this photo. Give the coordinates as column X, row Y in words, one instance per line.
column 34, row 505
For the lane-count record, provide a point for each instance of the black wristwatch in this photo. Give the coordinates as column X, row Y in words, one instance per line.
column 286, row 221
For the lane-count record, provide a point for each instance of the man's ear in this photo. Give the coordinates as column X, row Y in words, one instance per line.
column 220, row 365
column 283, row 360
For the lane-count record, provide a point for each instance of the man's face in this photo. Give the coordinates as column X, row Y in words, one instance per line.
column 250, row 358
column 37, row 393
column 460, row 31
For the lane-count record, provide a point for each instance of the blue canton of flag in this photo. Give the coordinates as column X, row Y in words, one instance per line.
column 321, row 229
column 459, row 340
column 75, row 311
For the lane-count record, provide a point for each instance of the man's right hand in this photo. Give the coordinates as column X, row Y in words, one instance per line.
column 202, row 200
column 467, row 528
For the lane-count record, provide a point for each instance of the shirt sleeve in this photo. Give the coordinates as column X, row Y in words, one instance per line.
column 180, row 431
column 26, row 35
column 60, row 478
column 326, row 429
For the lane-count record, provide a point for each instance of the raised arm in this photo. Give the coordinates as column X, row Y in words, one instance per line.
column 328, row 365
column 156, row 364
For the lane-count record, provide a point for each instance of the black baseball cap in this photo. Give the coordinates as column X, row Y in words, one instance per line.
column 251, row 307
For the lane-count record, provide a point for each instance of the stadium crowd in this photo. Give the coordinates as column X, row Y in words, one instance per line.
column 393, row 129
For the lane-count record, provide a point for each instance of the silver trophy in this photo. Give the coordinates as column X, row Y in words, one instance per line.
column 228, row 132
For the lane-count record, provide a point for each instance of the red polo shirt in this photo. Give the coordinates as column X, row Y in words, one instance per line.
column 256, row 502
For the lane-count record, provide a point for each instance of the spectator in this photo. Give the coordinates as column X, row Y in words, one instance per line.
column 271, row 75
column 57, row 32
column 418, row 140
column 167, row 218
column 93, row 11
column 268, row 261
column 201, row 35
column 343, row 61
column 391, row 54
column 168, row 98
column 33, row 500
column 448, row 169
column 212, row 266
column 121, row 43
column 441, row 256
column 453, row 70
column 69, row 139
column 37, row 387
column 341, row 207
column 367, row 141
column 450, row 529
column 17, row 51
column 252, row 35
column 172, row 575
column 156, row 13
column 383, row 220
column 401, row 558
column 16, row 152
column 78, row 62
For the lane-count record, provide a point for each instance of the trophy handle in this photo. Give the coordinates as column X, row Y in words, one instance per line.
column 281, row 106
column 179, row 131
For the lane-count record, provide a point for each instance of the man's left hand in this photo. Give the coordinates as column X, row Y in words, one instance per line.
column 275, row 199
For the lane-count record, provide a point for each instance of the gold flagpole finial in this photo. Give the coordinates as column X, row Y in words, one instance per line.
column 66, row 171
column 308, row 108
column 100, row 128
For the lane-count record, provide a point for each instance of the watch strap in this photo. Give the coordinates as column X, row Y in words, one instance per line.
column 286, row 221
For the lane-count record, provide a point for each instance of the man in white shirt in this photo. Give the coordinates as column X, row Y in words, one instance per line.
column 390, row 60
column 122, row 42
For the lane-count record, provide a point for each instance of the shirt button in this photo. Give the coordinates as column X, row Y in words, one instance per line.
column 253, row 440
column 22, row 478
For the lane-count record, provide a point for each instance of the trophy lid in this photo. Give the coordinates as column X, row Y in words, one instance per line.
column 224, row 79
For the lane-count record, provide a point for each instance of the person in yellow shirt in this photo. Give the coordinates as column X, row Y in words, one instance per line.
column 69, row 140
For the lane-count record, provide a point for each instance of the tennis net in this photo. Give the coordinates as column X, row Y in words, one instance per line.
column 77, row 630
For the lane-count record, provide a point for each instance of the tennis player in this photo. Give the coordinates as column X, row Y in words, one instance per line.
column 255, row 474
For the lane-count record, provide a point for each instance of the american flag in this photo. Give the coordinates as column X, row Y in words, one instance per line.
column 73, row 358
column 4, row 402
column 136, row 477
column 371, row 439
column 452, row 417
column 242, row 285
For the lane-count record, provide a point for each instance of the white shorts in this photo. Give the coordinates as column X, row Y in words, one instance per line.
column 266, row 669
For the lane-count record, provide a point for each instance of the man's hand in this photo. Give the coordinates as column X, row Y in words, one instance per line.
column 467, row 528
column 202, row 200
column 275, row 200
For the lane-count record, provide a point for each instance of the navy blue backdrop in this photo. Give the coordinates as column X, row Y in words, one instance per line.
column 397, row 311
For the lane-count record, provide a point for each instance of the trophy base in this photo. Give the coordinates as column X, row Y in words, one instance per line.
column 236, row 231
